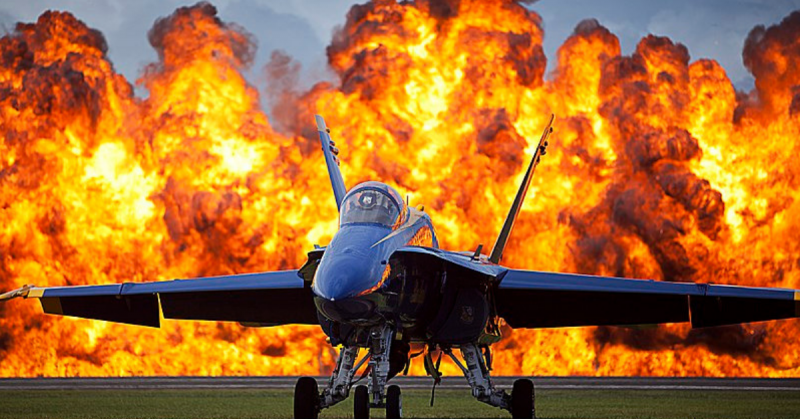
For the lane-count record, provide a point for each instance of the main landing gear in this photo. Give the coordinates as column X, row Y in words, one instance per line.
column 521, row 401
column 308, row 401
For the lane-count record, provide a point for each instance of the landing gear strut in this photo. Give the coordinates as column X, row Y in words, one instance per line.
column 519, row 403
column 308, row 401
column 342, row 377
column 381, row 342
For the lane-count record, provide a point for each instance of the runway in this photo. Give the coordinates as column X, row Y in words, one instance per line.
column 541, row 383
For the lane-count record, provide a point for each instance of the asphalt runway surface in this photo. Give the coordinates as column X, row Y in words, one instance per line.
column 543, row 383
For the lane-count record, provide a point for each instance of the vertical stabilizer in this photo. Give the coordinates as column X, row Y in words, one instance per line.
column 508, row 225
column 332, row 161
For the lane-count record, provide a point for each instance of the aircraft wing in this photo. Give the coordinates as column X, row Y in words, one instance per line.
column 269, row 298
column 533, row 299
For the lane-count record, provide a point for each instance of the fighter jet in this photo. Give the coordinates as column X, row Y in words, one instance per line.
column 383, row 283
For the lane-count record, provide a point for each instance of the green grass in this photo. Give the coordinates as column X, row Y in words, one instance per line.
column 243, row 404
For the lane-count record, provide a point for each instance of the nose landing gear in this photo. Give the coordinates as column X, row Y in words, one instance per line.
column 308, row 401
column 306, row 398
column 361, row 403
column 394, row 403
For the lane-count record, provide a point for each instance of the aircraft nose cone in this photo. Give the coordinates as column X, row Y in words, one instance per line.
column 344, row 276
column 338, row 283
column 347, row 310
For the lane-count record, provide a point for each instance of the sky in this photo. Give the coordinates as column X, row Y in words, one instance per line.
column 710, row 29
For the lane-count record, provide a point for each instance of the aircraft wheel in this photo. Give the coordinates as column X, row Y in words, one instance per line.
column 522, row 399
column 394, row 403
column 306, row 398
column 361, row 403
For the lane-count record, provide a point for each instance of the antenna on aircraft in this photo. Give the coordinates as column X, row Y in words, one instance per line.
column 508, row 225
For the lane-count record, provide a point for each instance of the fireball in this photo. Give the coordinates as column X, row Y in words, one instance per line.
column 659, row 169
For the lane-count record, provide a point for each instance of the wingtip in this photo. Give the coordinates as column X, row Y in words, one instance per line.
column 21, row 292
column 320, row 123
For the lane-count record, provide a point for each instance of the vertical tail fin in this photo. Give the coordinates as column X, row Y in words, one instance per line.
column 502, row 239
column 330, row 151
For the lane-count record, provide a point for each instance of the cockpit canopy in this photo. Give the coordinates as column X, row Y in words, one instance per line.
column 372, row 203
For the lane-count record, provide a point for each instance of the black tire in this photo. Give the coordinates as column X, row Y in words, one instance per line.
column 361, row 403
column 306, row 398
column 394, row 403
column 522, row 399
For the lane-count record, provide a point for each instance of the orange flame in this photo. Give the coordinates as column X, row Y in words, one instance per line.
column 658, row 169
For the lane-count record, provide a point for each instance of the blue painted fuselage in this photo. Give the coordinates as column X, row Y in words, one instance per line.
column 358, row 282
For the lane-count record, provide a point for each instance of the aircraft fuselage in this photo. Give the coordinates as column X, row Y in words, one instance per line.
column 361, row 280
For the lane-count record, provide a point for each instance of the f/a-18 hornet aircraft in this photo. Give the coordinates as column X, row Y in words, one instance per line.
column 383, row 283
